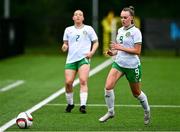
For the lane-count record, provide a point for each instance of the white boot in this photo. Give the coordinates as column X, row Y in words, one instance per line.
column 107, row 116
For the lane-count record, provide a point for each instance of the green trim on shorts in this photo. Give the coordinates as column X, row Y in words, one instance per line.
column 133, row 75
column 76, row 65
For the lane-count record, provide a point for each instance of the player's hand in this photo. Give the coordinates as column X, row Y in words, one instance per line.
column 64, row 47
column 116, row 46
column 89, row 55
column 109, row 53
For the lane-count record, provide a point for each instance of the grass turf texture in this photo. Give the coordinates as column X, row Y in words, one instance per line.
column 44, row 75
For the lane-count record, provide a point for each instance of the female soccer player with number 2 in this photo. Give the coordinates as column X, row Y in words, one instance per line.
column 81, row 42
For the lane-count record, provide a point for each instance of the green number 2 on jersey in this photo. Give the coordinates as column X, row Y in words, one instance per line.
column 77, row 37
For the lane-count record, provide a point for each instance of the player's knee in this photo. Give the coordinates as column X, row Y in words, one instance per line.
column 83, row 82
column 68, row 83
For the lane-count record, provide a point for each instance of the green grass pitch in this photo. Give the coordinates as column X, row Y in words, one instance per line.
column 44, row 75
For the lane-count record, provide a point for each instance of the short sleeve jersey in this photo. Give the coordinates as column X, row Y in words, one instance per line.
column 128, row 38
column 79, row 42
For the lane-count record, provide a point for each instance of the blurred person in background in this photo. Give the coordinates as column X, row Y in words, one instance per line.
column 81, row 42
column 127, row 49
column 107, row 30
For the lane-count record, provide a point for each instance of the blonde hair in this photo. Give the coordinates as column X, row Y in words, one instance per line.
column 130, row 9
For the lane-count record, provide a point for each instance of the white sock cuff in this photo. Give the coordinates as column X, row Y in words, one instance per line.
column 83, row 92
column 142, row 96
column 69, row 94
column 109, row 91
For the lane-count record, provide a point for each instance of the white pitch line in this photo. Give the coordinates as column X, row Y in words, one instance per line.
column 56, row 94
column 123, row 105
column 11, row 86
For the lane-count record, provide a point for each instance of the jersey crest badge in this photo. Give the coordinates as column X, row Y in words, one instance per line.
column 84, row 32
column 128, row 34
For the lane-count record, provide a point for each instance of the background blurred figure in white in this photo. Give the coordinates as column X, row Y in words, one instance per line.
column 81, row 42
column 127, row 50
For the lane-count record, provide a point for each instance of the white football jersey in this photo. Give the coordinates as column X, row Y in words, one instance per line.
column 79, row 42
column 128, row 37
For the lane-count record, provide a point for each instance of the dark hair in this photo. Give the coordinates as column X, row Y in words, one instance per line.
column 130, row 9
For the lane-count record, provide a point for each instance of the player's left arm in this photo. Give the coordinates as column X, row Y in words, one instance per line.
column 135, row 50
column 95, row 45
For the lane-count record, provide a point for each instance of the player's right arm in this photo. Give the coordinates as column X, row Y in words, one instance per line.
column 64, row 47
